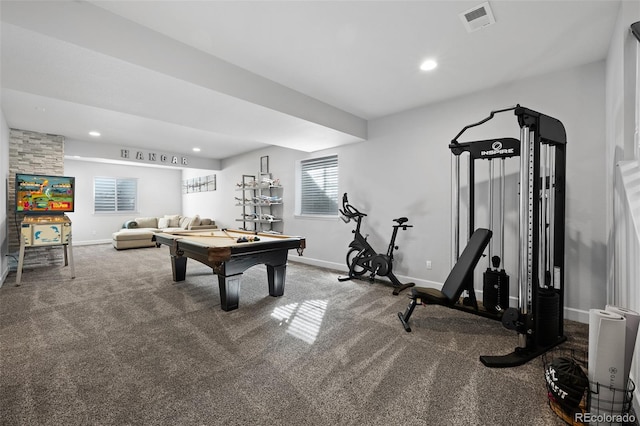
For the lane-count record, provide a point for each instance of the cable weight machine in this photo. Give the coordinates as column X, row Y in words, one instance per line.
column 539, row 317
column 495, row 300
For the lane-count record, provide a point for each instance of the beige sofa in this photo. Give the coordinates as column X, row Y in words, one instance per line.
column 139, row 232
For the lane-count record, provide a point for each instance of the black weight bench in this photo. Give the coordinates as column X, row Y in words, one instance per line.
column 460, row 279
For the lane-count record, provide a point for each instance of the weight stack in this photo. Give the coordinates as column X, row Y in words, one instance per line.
column 548, row 318
column 495, row 290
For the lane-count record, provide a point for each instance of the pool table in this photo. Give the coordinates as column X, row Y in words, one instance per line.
column 229, row 253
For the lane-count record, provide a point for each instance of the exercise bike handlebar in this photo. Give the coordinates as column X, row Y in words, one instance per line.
column 349, row 211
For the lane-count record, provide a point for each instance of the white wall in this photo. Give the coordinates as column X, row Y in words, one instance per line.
column 4, row 172
column 622, row 124
column 159, row 193
column 204, row 204
column 621, row 87
column 404, row 170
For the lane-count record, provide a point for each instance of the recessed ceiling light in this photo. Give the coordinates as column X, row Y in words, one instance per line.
column 428, row 65
column 196, row 149
column 94, row 133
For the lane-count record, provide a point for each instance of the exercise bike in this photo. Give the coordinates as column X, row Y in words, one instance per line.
column 362, row 258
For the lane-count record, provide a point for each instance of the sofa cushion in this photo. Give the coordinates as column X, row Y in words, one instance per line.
column 171, row 230
column 202, row 227
column 132, row 234
column 132, row 238
column 170, row 223
column 131, row 244
column 147, row 222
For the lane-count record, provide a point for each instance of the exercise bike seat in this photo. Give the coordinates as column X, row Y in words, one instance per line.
column 401, row 220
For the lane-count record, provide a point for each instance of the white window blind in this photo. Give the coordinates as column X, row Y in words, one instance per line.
column 319, row 186
column 113, row 195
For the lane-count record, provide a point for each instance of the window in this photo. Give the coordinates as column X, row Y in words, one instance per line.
column 113, row 195
column 319, row 186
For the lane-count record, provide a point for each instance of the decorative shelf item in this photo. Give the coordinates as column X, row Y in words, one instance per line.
column 260, row 200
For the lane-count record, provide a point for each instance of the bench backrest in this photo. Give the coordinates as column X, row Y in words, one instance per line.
column 455, row 282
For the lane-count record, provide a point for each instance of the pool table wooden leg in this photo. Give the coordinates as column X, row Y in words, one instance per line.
column 276, row 275
column 229, row 291
column 179, row 267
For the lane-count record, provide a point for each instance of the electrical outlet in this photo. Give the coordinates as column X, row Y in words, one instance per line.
column 428, row 264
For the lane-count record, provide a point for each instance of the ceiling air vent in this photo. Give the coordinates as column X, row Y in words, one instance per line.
column 477, row 17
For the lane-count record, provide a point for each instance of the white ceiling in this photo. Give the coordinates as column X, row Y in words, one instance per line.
column 234, row 76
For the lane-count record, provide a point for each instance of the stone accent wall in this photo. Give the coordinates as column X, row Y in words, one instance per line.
column 37, row 153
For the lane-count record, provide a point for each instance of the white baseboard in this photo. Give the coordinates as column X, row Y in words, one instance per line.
column 577, row 315
column 340, row 267
column 91, row 242
column 318, row 263
column 571, row 314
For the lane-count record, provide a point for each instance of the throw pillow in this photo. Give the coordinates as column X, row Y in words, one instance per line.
column 174, row 220
column 185, row 222
column 130, row 224
column 163, row 223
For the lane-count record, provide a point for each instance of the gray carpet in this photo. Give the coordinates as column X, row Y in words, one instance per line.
column 123, row 344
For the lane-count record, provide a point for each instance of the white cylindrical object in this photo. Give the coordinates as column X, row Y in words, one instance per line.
column 633, row 322
column 607, row 332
